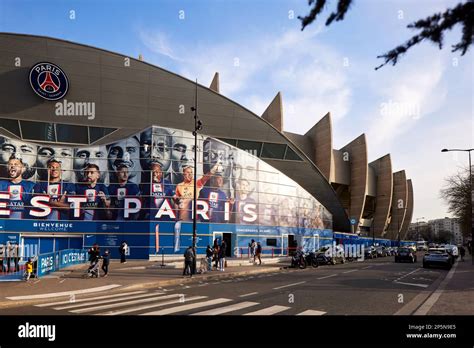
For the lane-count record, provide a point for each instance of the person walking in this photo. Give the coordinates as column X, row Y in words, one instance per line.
column 9, row 252
column 94, row 253
column 209, row 254
column 462, row 252
column 221, row 255
column 123, row 249
column 16, row 257
column 216, row 254
column 188, row 261
column 253, row 247
column 258, row 253
column 106, row 262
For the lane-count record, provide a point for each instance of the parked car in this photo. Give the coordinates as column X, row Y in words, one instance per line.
column 381, row 251
column 437, row 257
column 370, row 252
column 405, row 254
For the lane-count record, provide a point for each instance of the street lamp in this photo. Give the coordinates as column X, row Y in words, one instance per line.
column 197, row 127
column 470, row 185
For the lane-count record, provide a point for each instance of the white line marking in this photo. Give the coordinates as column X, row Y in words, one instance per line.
column 122, row 304
column 353, row 270
column 366, row 267
column 130, row 268
column 65, row 293
column 415, row 270
column 413, row 284
column 227, row 309
column 178, row 309
column 160, row 304
column 285, row 286
column 329, row 276
column 88, row 299
column 269, row 310
column 92, row 302
column 311, row 312
column 249, row 294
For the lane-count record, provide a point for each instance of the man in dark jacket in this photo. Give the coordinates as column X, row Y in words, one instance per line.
column 209, row 254
column 94, row 253
column 106, row 262
column 188, row 261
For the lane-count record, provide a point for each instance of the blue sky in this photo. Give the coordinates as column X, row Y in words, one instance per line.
column 412, row 110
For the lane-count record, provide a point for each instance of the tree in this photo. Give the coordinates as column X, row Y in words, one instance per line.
column 457, row 193
column 431, row 28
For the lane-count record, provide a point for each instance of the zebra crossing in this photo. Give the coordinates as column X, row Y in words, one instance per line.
column 157, row 303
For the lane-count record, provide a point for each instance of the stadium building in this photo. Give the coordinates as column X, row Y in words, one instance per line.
column 97, row 147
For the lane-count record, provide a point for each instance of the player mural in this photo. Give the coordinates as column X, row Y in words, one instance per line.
column 141, row 189
column 150, row 176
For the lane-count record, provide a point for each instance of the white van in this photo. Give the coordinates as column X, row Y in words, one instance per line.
column 422, row 245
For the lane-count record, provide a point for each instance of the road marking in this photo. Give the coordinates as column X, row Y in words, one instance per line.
column 425, row 307
column 249, row 294
column 311, row 312
column 130, row 268
column 203, row 284
column 353, row 270
column 329, row 276
column 227, row 309
column 65, row 293
column 415, row 270
column 123, row 304
column 285, row 286
column 269, row 310
column 160, row 304
column 366, row 267
column 178, row 309
column 88, row 299
column 413, row 284
column 93, row 302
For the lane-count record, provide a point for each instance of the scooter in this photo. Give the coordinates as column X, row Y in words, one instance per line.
column 298, row 260
column 311, row 259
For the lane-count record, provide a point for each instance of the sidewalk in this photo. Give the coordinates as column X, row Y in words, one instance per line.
column 457, row 298
column 131, row 275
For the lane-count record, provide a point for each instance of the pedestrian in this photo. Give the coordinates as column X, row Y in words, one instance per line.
column 209, row 254
column 216, row 254
column 123, row 250
column 469, row 247
column 2, row 255
column 106, row 262
column 16, row 257
column 28, row 269
column 253, row 247
column 221, row 256
column 258, row 253
column 10, row 254
column 94, row 253
column 462, row 252
column 188, row 261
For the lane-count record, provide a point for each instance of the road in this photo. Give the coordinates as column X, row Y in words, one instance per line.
column 372, row 287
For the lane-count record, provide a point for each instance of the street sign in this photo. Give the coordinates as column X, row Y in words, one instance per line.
column 353, row 221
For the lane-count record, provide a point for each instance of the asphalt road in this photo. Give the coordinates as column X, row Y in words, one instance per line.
column 372, row 287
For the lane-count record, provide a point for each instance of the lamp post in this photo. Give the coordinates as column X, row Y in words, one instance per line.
column 471, row 214
column 197, row 127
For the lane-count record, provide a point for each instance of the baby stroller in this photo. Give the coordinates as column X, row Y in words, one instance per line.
column 93, row 270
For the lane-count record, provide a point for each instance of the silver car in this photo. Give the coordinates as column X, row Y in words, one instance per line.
column 439, row 257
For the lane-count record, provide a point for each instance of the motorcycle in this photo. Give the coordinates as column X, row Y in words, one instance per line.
column 312, row 259
column 298, row 260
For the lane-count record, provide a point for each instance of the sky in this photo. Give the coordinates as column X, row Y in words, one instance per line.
column 412, row 110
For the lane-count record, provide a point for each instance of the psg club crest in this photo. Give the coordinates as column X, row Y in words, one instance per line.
column 49, row 81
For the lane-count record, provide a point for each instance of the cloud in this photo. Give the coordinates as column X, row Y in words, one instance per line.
column 404, row 98
column 306, row 71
